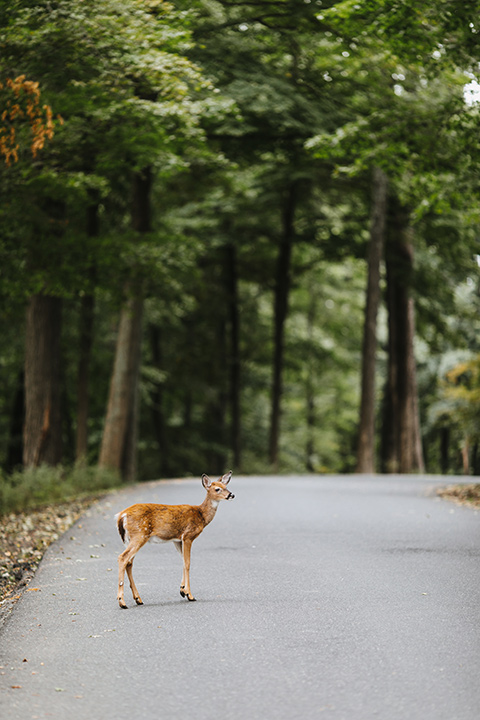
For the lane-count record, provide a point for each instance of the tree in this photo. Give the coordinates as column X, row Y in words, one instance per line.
column 120, row 103
column 120, row 437
column 403, row 452
column 43, row 422
column 270, row 67
column 366, row 442
column 396, row 133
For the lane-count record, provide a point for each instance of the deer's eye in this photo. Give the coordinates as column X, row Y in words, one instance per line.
column 217, row 489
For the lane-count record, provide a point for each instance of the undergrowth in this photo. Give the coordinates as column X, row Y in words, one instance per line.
column 36, row 487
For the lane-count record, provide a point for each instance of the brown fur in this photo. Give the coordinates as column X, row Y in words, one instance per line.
column 178, row 523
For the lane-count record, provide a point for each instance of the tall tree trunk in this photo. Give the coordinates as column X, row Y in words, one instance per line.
column 216, row 401
column 310, row 363
column 403, row 451
column 87, row 312
column 159, row 425
column 115, row 453
column 120, row 436
column 282, row 290
column 444, row 450
column 17, row 421
column 85, row 350
column 43, row 416
column 234, row 379
column 366, row 439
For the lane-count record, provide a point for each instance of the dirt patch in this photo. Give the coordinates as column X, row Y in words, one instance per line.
column 24, row 537
column 468, row 494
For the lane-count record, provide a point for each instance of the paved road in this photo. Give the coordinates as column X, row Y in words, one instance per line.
column 344, row 598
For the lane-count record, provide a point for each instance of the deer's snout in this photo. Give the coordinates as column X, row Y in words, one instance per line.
column 230, row 496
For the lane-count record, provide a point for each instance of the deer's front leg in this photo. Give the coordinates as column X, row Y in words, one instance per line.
column 185, row 586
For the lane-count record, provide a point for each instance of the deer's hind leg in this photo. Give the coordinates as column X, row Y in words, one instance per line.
column 133, row 587
column 125, row 562
column 178, row 546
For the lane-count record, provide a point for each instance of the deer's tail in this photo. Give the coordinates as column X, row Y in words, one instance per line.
column 121, row 527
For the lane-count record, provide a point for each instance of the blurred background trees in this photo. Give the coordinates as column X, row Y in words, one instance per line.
column 239, row 234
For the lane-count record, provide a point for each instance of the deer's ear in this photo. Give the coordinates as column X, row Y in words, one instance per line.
column 206, row 482
column 226, row 478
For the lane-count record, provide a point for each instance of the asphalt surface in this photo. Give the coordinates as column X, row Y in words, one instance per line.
column 345, row 598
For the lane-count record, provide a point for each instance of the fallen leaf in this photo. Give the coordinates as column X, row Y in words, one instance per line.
column 33, row 589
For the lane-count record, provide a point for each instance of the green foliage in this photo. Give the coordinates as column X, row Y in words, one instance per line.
column 32, row 488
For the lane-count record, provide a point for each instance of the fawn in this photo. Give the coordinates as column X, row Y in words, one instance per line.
column 179, row 524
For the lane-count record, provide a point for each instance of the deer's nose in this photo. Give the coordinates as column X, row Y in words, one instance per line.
column 230, row 496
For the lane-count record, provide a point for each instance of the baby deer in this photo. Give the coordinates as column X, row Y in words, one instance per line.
column 179, row 524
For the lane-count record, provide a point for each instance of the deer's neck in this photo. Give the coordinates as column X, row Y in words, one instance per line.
column 209, row 508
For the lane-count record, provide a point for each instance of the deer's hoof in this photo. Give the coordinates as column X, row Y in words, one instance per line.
column 123, row 605
column 139, row 601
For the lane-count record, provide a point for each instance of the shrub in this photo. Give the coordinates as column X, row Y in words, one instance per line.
column 34, row 487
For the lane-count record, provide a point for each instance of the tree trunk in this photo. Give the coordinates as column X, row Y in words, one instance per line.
column 17, row 422
column 114, row 452
column 43, row 416
column 234, row 379
column 120, row 436
column 366, row 440
column 85, row 349
column 310, row 363
column 216, row 401
column 87, row 311
column 444, row 450
column 465, row 450
column 158, row 416
column 282, row 290
column 403, row 452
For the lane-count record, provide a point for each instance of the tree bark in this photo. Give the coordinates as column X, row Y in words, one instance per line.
column 310, row 363
column 123, row 389
column 234, row 379
column 87, row 312
column 403, row 448
column 85, row 349
column 444, row 450
column 158, row 416
column 43, row 416
column 17, row 422
column 216, row 399
column 120, row 436
column 366, row 439
column 282, row 290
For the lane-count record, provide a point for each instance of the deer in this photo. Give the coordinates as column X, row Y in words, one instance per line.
column 179, row 524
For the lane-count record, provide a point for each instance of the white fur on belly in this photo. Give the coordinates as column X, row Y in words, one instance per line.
column 155, row 539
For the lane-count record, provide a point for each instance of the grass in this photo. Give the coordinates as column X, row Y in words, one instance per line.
column 36, row 487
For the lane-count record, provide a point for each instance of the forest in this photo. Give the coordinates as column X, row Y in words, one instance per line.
column 239, row 235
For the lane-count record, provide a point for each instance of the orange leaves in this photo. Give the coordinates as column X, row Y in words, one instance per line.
column 21, row 105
